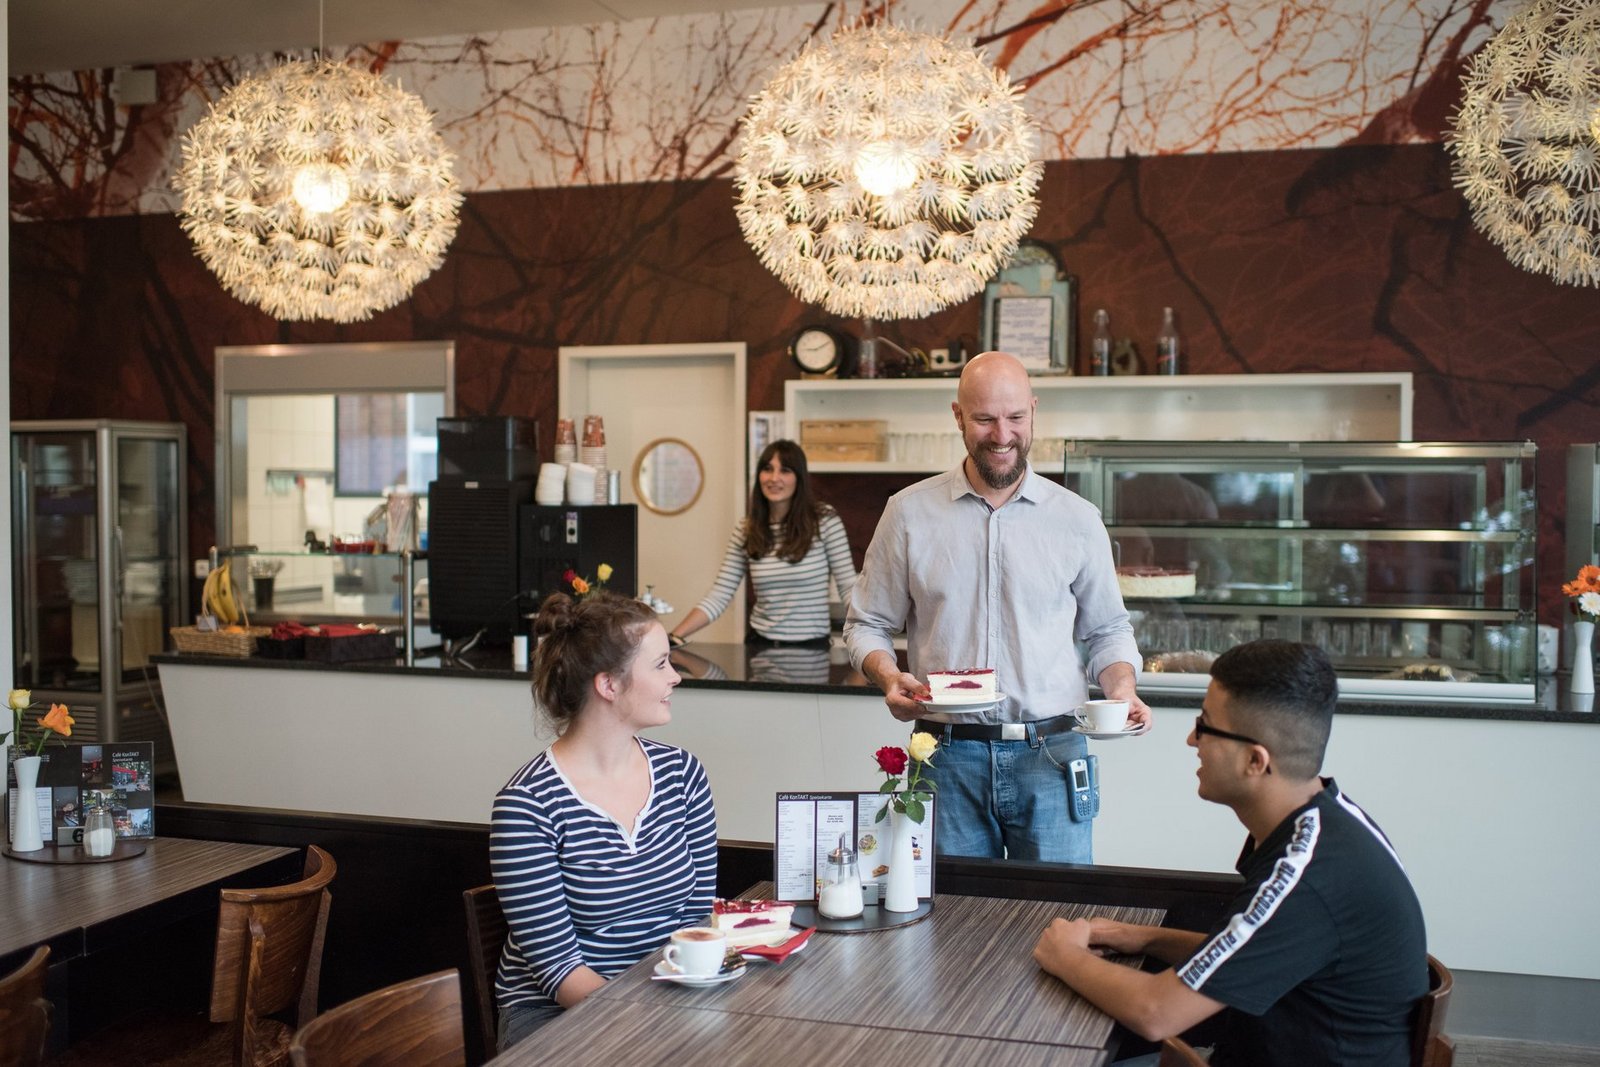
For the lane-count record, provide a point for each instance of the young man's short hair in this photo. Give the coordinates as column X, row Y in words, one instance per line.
column 1284, row 693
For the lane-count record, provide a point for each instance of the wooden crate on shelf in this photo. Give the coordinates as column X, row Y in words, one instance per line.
column 845, row 440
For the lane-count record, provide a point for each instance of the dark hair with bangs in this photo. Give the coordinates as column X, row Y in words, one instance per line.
column 1285, row 693
column 580, row 639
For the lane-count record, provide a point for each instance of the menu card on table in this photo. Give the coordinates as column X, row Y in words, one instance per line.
column 809, row 825
column 75, row 777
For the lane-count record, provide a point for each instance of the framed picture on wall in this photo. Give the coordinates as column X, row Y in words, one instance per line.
column 1030, row 309
column 765, row 428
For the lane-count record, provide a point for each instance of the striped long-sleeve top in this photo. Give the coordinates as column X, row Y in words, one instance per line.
column 791, row 598
column 578, row 890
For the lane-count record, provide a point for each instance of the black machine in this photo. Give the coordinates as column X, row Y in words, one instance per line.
column 492, row 554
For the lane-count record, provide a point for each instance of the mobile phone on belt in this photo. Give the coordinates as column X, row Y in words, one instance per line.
column 1084, row 788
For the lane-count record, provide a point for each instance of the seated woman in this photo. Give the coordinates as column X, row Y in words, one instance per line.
column 606, row 842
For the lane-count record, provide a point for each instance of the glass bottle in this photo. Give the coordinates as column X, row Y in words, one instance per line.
column 1100, row 344
column 1167, row 344
column 99, row 833
column 842, row 899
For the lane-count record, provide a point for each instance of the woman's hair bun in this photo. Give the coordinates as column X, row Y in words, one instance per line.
column 555, row 615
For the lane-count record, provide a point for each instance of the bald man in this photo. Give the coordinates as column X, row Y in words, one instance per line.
column 991, row 565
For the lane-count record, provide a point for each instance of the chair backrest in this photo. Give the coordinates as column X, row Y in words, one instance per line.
column 1430, row 1047
column 486, row 936
column 1178, row 1053
column 24, row 1013
column 416, row 1023
column 269, row 951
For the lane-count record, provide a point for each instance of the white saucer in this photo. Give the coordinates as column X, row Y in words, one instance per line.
column 1133, row 729
column 665, row 973
column 948, row 701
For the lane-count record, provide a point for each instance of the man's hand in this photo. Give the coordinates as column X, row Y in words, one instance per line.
column 1125, row 939
column 1061, row 940
column 901, row 691
column 1119, row 683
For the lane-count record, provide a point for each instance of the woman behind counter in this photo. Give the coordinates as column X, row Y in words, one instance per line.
column 789, row 544
column 605, row 843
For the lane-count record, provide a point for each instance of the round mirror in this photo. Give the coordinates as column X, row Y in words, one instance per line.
column 668, row 476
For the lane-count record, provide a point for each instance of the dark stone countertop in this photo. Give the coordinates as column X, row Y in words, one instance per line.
column 805, row 670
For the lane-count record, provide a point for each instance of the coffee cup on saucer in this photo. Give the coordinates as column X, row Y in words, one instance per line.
column 697, row 951
column 1103, row 716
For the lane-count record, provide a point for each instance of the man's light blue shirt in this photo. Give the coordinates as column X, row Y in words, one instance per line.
column 1010, row 588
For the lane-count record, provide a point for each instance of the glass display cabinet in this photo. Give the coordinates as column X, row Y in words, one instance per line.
column 99, row 576
column 1409, row 563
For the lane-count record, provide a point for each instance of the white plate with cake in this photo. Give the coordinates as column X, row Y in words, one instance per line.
column 1155, row 583
column 748, row 923
column 969, row 687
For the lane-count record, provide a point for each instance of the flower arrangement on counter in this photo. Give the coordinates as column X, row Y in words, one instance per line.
column 1585, row 593
column 55, row 721
column 582, row 587
column 917, row 755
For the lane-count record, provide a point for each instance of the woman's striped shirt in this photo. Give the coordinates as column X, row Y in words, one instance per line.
column 791, row 598
column 576, row 890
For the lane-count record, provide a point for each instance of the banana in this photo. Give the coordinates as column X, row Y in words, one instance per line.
column 217, row 595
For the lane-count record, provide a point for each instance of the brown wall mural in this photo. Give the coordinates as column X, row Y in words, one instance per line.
column 1355, row 258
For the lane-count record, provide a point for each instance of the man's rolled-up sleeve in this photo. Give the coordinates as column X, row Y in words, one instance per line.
column 881, row 597
column 1103, row 624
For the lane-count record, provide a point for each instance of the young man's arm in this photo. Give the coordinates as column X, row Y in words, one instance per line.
column 1154, row 1006
column 1129, row 939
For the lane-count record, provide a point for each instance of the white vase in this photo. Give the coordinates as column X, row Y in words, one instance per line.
column 1582, row 657
column 25, row 819
column 900, row 891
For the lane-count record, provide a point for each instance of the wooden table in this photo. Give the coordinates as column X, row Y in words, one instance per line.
column 961, row 983
column 81, row 909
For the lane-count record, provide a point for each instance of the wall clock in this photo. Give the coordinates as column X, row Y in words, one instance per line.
column 817, row 350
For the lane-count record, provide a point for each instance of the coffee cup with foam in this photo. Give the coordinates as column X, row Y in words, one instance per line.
column 696, row 951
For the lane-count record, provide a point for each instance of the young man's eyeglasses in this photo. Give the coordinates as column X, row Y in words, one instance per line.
column 1201, row 728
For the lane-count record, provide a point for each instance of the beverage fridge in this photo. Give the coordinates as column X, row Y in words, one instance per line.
column 99, row 575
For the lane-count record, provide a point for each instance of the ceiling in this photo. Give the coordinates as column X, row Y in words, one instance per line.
column 59, row 35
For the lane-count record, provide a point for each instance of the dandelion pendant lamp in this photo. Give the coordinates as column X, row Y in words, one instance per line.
column 318, row 191
column 885, row 173
column 1526, row 139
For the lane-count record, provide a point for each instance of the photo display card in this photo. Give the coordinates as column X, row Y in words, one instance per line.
column 809, row 825
column 75, row 777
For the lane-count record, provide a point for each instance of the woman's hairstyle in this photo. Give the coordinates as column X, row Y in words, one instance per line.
column 579, row 639
column 799, row 526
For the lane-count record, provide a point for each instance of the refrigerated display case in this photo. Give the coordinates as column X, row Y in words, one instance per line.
column 1410, row 563
column 99, row 538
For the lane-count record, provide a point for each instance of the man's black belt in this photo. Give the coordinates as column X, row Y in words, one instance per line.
column 1003, row 731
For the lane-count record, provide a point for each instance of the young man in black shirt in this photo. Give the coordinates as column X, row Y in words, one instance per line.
column 1321, row 957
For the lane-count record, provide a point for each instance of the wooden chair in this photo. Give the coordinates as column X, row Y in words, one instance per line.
column 416, row 1023
column 24, row 1013
column 1179, row 1053
column 1430, row 1047
column 268, row 958
column 486, row 936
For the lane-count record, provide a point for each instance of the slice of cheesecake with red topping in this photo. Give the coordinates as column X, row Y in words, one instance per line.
column 973, row 682
column 752, row 922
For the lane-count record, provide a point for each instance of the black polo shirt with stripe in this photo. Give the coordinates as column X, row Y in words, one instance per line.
column 1322, row 955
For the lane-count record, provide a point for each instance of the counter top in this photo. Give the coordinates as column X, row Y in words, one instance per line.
column 826, row 672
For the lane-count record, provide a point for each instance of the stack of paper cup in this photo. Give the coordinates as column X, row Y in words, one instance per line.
column 580, row 484
column 551, row 488
column 593, row 455
column 601, row 476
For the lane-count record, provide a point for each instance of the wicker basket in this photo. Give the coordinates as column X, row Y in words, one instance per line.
column 217, row 642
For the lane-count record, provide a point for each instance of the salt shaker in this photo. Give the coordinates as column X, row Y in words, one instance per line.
column 99, row 835
column 842, row 899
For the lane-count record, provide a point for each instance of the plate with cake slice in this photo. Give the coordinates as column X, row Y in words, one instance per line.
column 968, row 687
column 961, row 701
column 747, row 923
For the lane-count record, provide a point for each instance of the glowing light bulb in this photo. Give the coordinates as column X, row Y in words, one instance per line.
column 883, row 168
column 321, row 187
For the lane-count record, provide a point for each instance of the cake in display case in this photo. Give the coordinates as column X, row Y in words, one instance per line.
column 1408, row 562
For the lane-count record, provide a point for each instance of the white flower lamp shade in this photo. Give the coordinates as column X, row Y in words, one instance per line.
column 1526, row 139
column 318, row 191
column 885, row 173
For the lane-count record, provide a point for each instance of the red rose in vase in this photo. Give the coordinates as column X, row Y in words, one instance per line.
column 891, row 760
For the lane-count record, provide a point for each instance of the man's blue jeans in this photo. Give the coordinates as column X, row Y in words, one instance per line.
column 1008, row 799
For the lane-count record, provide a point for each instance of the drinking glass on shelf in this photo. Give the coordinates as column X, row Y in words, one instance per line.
column 931, row 452
column 897, row 448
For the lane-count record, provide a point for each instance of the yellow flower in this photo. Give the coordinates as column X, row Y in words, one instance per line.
column 58, row 720
column 19, row 699
column 921, row 746
column 604, row 571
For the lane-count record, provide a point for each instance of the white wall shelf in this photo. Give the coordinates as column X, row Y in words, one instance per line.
column 1192, row 407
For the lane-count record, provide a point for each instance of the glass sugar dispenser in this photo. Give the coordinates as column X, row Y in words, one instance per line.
column 842, row 899
column 99, row 834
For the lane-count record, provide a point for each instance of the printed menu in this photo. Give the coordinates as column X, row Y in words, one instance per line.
column 75, row 777
column 808, row 831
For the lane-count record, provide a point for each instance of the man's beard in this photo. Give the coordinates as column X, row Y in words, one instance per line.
column 993, row 476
